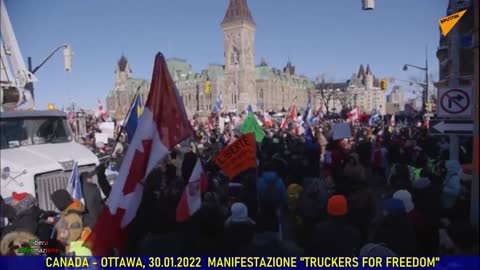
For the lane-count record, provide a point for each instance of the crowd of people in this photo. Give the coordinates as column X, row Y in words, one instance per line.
column 385, row 190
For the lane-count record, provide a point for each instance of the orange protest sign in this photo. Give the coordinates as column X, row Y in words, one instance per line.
column 238, row 157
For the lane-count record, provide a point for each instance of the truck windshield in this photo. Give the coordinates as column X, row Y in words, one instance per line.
column 16, row 132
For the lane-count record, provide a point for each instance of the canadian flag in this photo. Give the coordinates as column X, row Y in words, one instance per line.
column 192, row 194
column 99, row 105
column 392, row 120
column 163, row 124
column 353, row 115
column 267, row 119
column 291, row 115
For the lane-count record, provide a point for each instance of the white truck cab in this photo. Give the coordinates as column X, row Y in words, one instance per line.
column 37, row 153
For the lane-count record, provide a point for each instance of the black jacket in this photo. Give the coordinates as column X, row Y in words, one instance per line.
column 334, row 237
column 398, row 233
column 93, row 203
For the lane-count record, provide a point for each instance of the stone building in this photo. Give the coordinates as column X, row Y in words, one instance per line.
column 362, row 91
column 455, row 52
column 395, row 100
column 119, row 99
column 238, row 81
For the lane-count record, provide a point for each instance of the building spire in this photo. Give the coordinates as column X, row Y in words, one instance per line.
column 122, row 63
column 368, row 70
column 238, row 10
column 361, row 72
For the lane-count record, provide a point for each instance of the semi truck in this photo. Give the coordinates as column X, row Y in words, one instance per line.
column 37, row 148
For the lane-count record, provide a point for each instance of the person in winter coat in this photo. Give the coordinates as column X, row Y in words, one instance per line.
column 93, row 200
column 451, row 184
column 353, row 169
column 395, row 229
column 27, row 214
column 427, row 196
column 272, row 196
column 362, row 206
column 311, row 208
column 69, row 232
column 239, row 229
column 334, row 236
column 7, row 214
column 13, row 243
column 102, row 179
column 415, row 216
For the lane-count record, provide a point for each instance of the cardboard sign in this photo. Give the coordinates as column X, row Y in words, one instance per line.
column 102, row 137
column 341, row 131
column 238, row 156
column 107, row 128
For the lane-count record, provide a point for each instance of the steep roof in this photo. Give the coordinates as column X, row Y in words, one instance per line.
column 122, row 63
column 361, row 71
column 263, row 72
column 215, row 72
column 238, row 10
column 368, row 70
column 178, row 68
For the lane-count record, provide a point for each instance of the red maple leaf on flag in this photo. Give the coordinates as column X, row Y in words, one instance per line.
column 138, row 167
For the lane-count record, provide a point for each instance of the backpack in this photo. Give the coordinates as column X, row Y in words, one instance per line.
column 269, row 198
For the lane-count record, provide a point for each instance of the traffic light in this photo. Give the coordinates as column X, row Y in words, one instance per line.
column 427, row 107
column 383, row 84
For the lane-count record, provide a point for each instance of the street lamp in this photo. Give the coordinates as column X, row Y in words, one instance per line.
column 67, row 54
column 426, row 97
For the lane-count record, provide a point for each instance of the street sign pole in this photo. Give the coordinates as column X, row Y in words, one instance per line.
column 474, row 203
column 454, row 77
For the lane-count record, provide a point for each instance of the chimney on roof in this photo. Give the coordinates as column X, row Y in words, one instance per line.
column 238, row 10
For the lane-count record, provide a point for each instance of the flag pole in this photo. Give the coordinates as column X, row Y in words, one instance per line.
column 122, row 128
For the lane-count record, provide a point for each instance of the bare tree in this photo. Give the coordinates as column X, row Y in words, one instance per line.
column 346, row 98
column 327, row 96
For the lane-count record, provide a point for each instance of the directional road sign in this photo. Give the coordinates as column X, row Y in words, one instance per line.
column 451, row 127
column 455, row 102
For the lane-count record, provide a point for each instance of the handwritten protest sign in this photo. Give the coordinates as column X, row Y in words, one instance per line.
column 238, row 156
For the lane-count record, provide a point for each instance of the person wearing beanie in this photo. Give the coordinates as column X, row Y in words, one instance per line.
column 334, row 236
column 239, row 214
column 26, row 214
column 409, row 206
column 61, row 199
column 337, row 206
column 395, row 229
